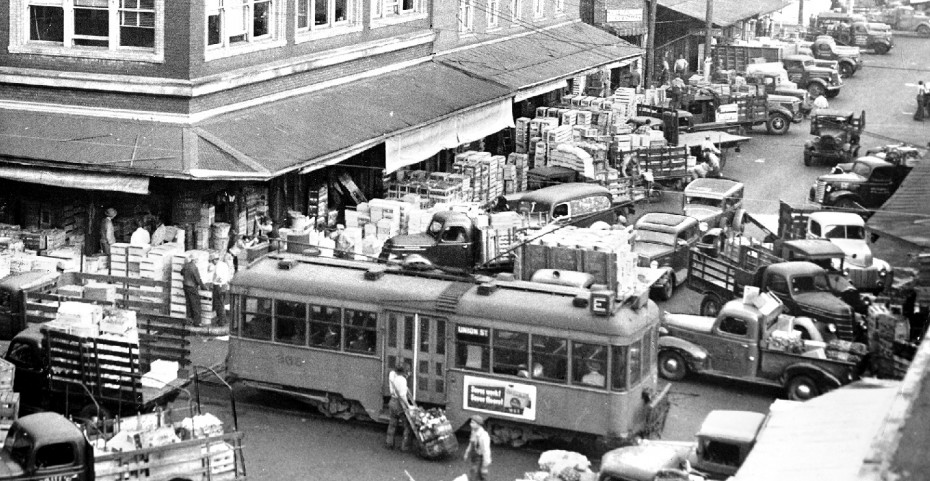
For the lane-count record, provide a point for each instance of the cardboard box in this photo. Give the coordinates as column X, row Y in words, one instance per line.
column 96, row 291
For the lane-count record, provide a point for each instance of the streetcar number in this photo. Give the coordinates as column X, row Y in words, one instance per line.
column 290, row 360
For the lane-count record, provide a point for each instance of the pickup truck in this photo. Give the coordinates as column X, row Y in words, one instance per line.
column 865, row 183
column 47, row 446
column 703, row 109
column 803, row 287
column 803, row 70
column 13, row 291
column 665, row 239
column 753, row 341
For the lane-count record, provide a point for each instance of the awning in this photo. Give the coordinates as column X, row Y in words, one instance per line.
column 543, row 58
column 257, row 143
column 717, row 137
column 76, row 180
column 417, row 145
column 906, row 215
column 726, row 12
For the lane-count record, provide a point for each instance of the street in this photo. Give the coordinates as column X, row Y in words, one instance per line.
column 287, row 440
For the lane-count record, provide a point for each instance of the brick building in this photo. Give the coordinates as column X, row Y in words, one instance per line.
column 140, row 103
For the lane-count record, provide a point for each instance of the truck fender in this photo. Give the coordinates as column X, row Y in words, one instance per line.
column 820, row 81
column 835, row 196
column 821, row 376
column 694, row 355
column 806, row 324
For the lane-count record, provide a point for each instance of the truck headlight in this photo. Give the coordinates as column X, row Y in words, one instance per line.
column 828, row 188
column 883, row 272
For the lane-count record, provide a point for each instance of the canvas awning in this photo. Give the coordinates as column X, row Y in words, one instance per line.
column 76, row 180
column 906, row 215
column 543, row 59
column 725, row 12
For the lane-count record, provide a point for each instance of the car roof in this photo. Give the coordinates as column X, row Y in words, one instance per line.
column 712, row 186
column 665, row 222
column 837, row 218
column 739, row 426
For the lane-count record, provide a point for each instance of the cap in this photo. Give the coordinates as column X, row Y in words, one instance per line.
column 214, row 256
column 111, row 212
column 477, row 419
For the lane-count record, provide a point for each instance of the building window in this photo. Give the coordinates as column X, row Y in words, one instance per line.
column 539, row 8
column 494, row 13
column 516, row 11
column 395, row 8
column 236, row 22
column 466, row 16
column 319, row 14
column 91, row 28
column 559, row 7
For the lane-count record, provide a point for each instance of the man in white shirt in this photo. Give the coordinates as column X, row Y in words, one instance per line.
column 478, row 452
column 221, row 277
column 140, row 237
column 400, row 397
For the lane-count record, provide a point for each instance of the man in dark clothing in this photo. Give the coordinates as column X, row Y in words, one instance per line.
column 192, row 286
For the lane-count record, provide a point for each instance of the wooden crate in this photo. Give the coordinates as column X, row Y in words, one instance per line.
column 9, row 407
column 7, row 375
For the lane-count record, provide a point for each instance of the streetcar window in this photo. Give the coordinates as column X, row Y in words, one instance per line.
column 511, row 352
column 636, row 361
column 552, row 354
column 257, row 317
column 290, row 322
column 647, row 353
column 588, row 364
column 472, row 348
column 361, row 331
column 325, row 327
column 618, row 364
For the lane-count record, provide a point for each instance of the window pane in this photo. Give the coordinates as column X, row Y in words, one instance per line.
column 408, row 332
column 511, row 354
column 342, row 10
column 589, row 362
column 325, row 327
column 320, row 12
column 635, row 362
column 361, row 331
column 618, row 365
column 472, row 347
column 257, row 324
column 290, row 322
column 91, row 21
column 261, row 20
column 424, row 334
column 408, row 5
column 213, row 30
column 392, row 331
column 552, row 354
column 291, row 309
column 303, row 13
column 440, row 336
column 46, row 24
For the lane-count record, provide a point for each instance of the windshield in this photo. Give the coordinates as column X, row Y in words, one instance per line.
column 845, row 232
column 18, row 444
column 435, row 228
column 693, row 200
column 811, row 283
column 862, row 169
column 654, row 237
column 533, row 207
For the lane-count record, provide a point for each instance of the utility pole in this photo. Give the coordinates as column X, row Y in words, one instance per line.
column 708, row 35
column 651, row 44
column 801, row 15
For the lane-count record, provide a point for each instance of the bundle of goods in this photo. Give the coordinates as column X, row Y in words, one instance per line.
column 434, row 187
column 91, row 320
column 787, row 341
column 558, row 465
column 572, row 157
column 840, row 350
column 485, row 171
column 433, row 431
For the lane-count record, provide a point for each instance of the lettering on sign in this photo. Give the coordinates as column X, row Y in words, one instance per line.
column 500, row 398
column 625, row 15
column 68, row 477
column 472, row 331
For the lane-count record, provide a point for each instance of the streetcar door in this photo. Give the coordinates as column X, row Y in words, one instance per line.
column 419, row 341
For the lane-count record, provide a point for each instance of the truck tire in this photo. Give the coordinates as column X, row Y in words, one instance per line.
column 923, row 31
column 831, row 94
column 846, row 69
column 845, row 203
column 710, row 305
column 880, row 48
column 778, row 123
column 802, row 388
column 672, row 366
column 665, row 292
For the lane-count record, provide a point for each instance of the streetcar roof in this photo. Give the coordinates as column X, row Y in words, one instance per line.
column 340, row 281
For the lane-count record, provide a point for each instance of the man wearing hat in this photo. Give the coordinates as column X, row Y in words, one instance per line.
column 107, row 235
column 221, row 277
column 397, row 383
column 478, row 452
column 192, row 286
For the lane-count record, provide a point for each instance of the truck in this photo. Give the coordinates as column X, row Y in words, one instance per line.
column 13, row 291
column 905, row 18
column 773, row 77
column 876, row 37
column 665, row 239
column 88, row 376
column 849, row 60
column 802, row 69
column 803, row 287
column 865, row 183
column 48, row 446
column 847, row 231
column 751, row 340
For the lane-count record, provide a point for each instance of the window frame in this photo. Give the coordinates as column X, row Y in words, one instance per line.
column 368, row 327
column 539, row 9
column 251, row 42
column 493, row 14
column 279, row 317
column 322, row 323
column 481, row 338
column 22, row 43
column 380, row 18
column 543, row 354
column 516, row 11
column 256, row 317
column 512, row 352
column 466, row 17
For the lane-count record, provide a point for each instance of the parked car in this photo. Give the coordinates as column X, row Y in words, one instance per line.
column 665, row 239
column 837, row 134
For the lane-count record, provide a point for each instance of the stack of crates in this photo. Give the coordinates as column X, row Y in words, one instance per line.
column 522, row 137
column 9, row 400
column 178, row 305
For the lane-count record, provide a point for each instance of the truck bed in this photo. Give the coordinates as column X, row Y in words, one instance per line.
column 207, row 459
column 774, row 362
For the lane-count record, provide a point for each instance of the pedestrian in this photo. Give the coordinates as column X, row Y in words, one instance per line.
column 221, row 278
column 665, row 74
column 478, row 452
column 807, row 104
column 820, row 103
column 400, row 397
column 636, row 78
column 345, row 248
column 921, row 111
column 107, row 234
column 140, row 237
column 676, row 90
column 681, row 66
column 160, row 232
column 925, row 88
column 193, row 284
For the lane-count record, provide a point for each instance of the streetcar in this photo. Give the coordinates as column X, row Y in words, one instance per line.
column 539, row 361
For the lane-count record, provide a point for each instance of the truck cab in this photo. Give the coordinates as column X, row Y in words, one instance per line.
column 665, row 239
column 848, row 59
column 876, row 37
column 803, row 70
column 450, row 241
column 868, row 182
column 715, row 202
column 46, row 446
column 847, row 231
column 12, row 289
column 837, row 134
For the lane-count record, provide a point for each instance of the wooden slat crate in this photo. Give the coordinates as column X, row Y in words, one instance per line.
column 7, row 375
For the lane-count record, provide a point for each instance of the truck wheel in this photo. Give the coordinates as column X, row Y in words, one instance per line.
column 815, row 89
column 881, row 49
column 710, row 306
column 802, row 388
column 831, row 94
column 845, row 203
column 665, row 292
column 808, row 158
column 924, row 31
column 778, row 123
column 846, row 70
column 672, row 366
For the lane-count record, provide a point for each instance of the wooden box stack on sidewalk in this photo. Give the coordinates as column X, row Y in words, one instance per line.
column 178, row 305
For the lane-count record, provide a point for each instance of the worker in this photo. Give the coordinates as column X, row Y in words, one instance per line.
column 345, row 248
column 140, row 237
column 263, row 226
column 193, row 284
column 675, row 92
column 400, row 396
column 820, row 103
column 922, row 91
column 594, row 377
column 636, row 78
column 711, row 154
column 221, row 278
column 645, row 128
column 681, row 66
column 160, row 233
column 478, row 452
column 107, row 234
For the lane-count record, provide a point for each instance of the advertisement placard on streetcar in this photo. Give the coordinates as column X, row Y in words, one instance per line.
column 500, row 398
